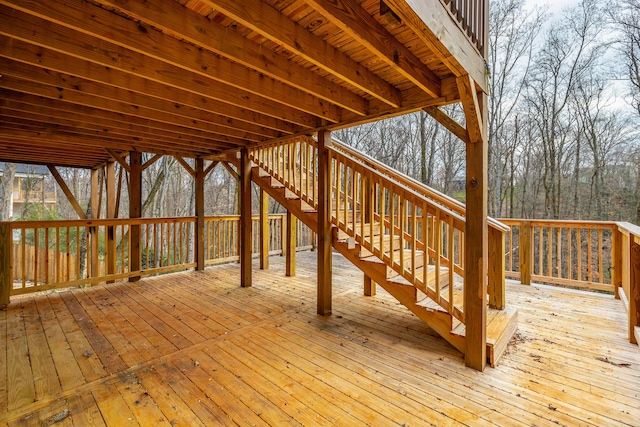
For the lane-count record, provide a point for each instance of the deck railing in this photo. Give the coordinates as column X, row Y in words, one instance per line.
column 471, row 16
column 45, row 255
column 593, row 255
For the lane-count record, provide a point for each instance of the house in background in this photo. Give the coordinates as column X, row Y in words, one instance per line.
column 32, row 184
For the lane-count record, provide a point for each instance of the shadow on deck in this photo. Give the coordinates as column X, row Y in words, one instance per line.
column 194, row 348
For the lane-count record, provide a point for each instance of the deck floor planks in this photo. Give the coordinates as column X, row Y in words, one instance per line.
column 346, row 369
column 20, row 386
column 171, row 404
column 259, row 404
column 276, row 394
column 151, row 335
column 201, row 405
column 148, row 314
column 223, row 398
column 217, row 318
column 109, row 327
column 302, row 371
column 100, row 344
column 113, row 407
column 165, row 312
column 262, row 368
column 88, row 362
column 104, row 302
column 383, row 369
column 375, row 393
column 45, row 380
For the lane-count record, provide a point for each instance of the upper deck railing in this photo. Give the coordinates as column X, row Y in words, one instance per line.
column 471, row 16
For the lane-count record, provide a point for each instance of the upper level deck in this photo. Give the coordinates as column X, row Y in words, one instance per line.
column 200, row 77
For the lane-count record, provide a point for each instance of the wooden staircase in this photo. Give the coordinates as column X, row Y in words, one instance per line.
column 395, row 231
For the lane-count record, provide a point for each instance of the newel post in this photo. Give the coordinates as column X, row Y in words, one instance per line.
column 634, row 289
column 6, row 281
column 526, row 252
column 496, row 272
column 199, row 225
column 135, row 211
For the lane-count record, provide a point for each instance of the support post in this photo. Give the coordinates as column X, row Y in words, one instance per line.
column 616, row 258
column 110, row 176
column 264, row 230
column 245, row 218
column 324, row 225
column 476, row 235
column 93, row 231
column 634, row 289
column 6, row 271
column 291, row 244
column 369, row 285
column 526, row 252
column 135, row 211
column 199, row 227
column 496, row 269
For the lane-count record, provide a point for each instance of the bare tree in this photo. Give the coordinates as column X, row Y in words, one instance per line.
column 8, row 176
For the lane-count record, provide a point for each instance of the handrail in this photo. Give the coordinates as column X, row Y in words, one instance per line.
column 413, row 184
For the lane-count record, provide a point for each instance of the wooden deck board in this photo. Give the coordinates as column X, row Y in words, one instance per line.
column 194, row 348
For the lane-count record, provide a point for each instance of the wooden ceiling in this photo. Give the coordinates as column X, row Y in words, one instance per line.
column 202, row 77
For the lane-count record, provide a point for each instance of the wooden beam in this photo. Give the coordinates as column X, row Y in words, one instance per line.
column 67, row 192
column 292, row 244
column 433, row 25
column 218, row 78
column 186, row 166
column 203, row 32
column 6, row 269
column 233, row 173
column 476, row 237
column 151, row 161
column 270, row 23
column 245, row 219
column 354, row 21
column 93, row 231
column 110, row 175
column 199, row 226
column 118, row 158
column 472, row 113
column 135, row 211
column 117, row 85
column 525, row 259
column 264, row 230
column 96, row 22
column 325, row 238
column 178, row 120
column 211, row 166
column 450, row 124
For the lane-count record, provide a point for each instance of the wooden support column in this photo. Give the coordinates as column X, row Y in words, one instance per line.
column 110, row 175
column 92, row 258
column 526, row 252
column 367, row 209
column 634, row 290
column 616, row 258
column 199, row 228
column 476, row 235
column 6, row 272
column 245, row 218
column 496, row 269
column 135, row 211
column 291, row 244
column 324, row 225
column 264, row 230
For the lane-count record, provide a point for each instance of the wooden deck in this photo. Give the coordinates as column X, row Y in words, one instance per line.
column 196, row 349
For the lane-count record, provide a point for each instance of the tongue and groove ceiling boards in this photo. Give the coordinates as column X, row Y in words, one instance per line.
column 200, row 78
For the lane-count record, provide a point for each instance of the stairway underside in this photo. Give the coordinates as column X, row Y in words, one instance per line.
column 419, row 299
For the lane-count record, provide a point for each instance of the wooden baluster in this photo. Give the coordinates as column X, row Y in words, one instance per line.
column 6, row 263
column 600, row 270
column 46, row 255
column 589, row 256
column 526, row 252
column 570, row 254
column 414, row 234
column 425, row 255
column 438, row 253
column 550, row 252
column 77, row 257
column 559, row 251
column 541, row 251
column 383, row 202
column 510, row 255
column 392, row 224
column 450, row 255
column 23, row 251
column 402, row 220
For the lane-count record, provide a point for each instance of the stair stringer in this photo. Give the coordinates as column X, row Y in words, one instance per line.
column 439, row 321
